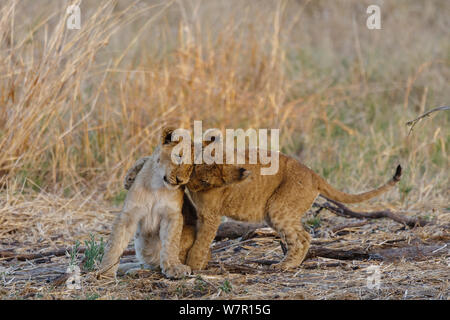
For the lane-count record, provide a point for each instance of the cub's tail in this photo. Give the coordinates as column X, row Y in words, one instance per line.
column 336, row 195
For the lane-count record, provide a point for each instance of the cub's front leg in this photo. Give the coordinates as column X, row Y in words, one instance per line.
column 170, row 235
column 199, row 254
column 123, row 230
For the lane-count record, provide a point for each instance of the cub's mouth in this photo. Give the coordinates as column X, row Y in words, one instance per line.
column 169, row 184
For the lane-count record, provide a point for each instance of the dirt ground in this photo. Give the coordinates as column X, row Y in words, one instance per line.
column 238, row 269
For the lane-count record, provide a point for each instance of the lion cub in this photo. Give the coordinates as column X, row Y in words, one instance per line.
column 152, row 211
column 280, row 200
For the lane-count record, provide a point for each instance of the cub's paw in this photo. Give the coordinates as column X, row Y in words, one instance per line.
column 177, row 271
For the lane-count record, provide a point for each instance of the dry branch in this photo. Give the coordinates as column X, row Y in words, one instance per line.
column 344, row 211
column 412, row 123
column 355, row 254
column 344, row 226
column 236, row 268
column 417, row 252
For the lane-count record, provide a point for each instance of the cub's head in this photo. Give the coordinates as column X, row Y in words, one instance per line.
column 176, row 173
column 209, row 176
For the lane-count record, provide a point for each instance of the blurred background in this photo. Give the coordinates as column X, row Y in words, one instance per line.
column 78, row 107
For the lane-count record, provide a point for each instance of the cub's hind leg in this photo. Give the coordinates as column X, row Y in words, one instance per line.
column 122, row 232
column 285, row 218
column 147, row 245
column 297, row 241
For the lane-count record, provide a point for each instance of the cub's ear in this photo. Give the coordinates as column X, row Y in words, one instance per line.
column 166, row 135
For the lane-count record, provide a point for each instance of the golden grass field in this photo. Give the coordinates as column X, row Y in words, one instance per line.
column 78, row 107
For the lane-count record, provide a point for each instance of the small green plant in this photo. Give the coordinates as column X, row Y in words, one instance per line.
column 93, row 254
column 92, row 296
column 226, row 286
column 181, row 288
column 314, row 222
column 73, row 255
column 200, row 284
column 429, row 217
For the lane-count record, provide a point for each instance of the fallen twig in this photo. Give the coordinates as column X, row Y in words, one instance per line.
column 355, row 254
column 236, row 268
column 410, row 253
column 412, row 123
column 417, row 252
column 348, row 225
column 319, row 265
column 342, row 210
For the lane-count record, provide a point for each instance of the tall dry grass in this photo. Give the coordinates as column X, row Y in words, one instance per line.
column 79, row 106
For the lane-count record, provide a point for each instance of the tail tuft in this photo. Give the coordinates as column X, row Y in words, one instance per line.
column 398, row 173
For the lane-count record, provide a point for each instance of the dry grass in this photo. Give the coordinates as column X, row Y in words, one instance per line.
column 79, row 106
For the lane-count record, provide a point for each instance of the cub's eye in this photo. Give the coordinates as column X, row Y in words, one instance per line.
column 205, row 183
column 168, row 138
